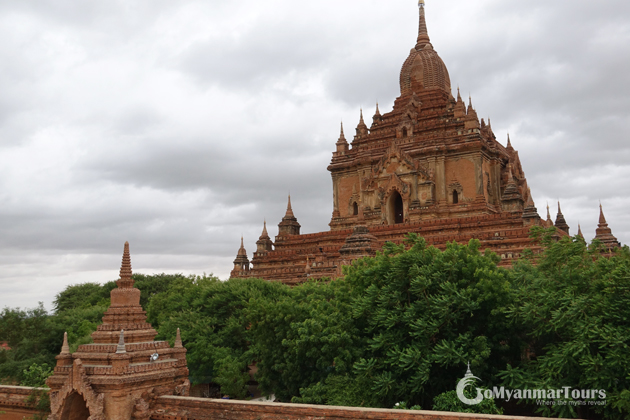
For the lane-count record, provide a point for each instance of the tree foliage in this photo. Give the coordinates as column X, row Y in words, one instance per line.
column 574, row 304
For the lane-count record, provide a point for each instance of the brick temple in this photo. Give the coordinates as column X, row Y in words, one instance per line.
column 121, row 374
column 429, row 166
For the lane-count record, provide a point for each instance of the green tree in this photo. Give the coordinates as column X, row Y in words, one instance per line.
column 81, row 296
column 449, row 401
column 306, row 334
column 574, row 304
column 427, row 313
column 36, row 375
column 214, row 325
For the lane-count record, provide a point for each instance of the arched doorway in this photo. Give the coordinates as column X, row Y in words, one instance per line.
column 395, row 209
column 355, row 209
column 75, row 408
column 455, row 197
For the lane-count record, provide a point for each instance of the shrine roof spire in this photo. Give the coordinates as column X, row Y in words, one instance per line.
column 241, row 250
column 125, row 281
column 423, row 33
column 602, row 218
column 289, row 209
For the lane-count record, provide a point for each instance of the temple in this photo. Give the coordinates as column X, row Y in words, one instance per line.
column 119, row 376
column 429, row 166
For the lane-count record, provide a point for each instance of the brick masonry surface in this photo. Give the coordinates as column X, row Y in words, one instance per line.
column 14, row 404
column 186, row 408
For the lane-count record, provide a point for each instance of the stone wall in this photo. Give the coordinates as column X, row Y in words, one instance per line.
column 14, row 404
column 186, row 408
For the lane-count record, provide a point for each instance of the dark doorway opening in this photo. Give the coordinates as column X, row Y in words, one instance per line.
column 404, row 132
column 355, row 209
column 75, row 408
column 399, row 216
column 455, row 197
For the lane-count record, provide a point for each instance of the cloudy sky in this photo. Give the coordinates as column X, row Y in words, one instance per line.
column 180, row 125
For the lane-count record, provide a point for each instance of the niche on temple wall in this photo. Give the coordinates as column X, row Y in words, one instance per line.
column 455, row 193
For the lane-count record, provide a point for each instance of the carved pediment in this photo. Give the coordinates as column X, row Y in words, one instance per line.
column 396, row 183
column 410, row 164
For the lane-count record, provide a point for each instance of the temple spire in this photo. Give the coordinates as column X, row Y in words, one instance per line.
column 423, row 33
column 241, row 250
column 289, row 224
column 604, row 234
column 602, row 218
column 342, row 135
column 125, row 281
column 289, row 209
column 264, row 232
column 378, row 111
column 548, row 222
column 178, row 340
column 264, row 243
column 580, row 231
column 561, row 223
column 362, row 128
column 65, row 348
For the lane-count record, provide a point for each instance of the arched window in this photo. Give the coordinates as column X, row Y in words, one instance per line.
column 404, row 132
column 455, row 197
column 355, row 209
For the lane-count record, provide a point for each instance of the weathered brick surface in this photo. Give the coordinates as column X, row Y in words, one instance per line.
column 14, row 402
column 185, row 408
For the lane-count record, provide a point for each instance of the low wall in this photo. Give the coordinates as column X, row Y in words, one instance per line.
column 186, row 408
column 14, row 402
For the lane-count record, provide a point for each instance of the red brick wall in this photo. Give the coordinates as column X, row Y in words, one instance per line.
column 13, row 402
column 182, row 408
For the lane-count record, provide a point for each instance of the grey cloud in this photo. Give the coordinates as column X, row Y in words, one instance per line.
column 179, row 126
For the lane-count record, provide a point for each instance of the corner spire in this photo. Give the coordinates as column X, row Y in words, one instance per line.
column 241, row 250
column 423, row 33
column 65, row 348
column 289, row 209
column 125, row 282
column 561, row 223
column 378, row 111
column 289, row 224
column 178, row 340
column 580, row 231
column 264, row 232
column 362, row 129
column 604, row 234
column 548, row 222
column 602, row 218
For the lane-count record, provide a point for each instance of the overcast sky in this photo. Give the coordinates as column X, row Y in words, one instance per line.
column 180, row 125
